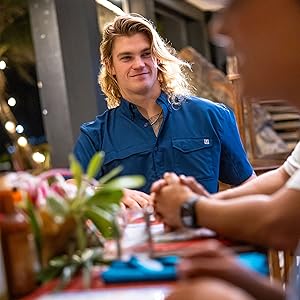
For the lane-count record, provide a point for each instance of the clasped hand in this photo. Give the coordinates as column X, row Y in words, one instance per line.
column 169, row 193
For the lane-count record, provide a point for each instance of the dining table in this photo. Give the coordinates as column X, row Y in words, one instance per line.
column 146, row 267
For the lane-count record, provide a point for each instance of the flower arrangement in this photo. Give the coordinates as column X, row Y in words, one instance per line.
column 78, row 214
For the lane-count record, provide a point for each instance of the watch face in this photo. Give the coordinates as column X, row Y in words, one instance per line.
column 187, row 221
column 188, row 215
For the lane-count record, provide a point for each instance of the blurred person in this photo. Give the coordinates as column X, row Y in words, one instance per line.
column 214, row 265
column 270, row 217
column 265, row 37
column 153, row 124
column 208, row 289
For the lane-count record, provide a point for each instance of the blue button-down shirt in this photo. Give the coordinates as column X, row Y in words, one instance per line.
column 198, row 138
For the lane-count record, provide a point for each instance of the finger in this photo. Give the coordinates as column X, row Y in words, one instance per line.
column 140, row 200
column 157, row 216
column 158, row 185
column 193, row 185
column 168, row 228
column 130, row 203
column 198, row 267
column 144, row 195
column 152, row 199
column 206, row 266
column 209, row 248
column 122, row 206
column 171, row 178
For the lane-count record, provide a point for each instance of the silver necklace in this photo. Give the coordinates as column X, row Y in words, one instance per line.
column 155, row 117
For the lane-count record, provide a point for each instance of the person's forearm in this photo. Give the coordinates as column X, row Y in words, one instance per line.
column 271, row 221
column 266, row 183
column 259, row 287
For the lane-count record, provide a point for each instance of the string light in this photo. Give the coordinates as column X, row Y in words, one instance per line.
column 11, row 149
column 2, row 65
column 38, row 157
column 11, row 101
column 22, row 141
column 19, row 129
column 10, row 126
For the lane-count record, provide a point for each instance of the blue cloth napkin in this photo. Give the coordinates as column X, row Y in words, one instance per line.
column 164, row 268
column 141, row 269
column 256, row 261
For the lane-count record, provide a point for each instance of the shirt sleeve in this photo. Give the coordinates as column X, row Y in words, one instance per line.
column 292, row 164
column 235, row 167
column 85, row 146
column 294, row 181
column 84, row 150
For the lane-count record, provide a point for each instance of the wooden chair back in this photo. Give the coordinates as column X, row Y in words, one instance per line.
column 280, row 263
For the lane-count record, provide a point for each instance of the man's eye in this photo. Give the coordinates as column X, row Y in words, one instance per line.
column 125, row 58
column 146, row 54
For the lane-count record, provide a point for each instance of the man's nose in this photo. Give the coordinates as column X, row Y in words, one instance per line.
column 218, row 34
column 138, row 62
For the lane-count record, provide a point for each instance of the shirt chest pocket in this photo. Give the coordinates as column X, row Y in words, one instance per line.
column 132, row 160
column 194, row 157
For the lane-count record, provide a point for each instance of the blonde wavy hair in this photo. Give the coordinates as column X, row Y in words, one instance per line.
column 170, row 68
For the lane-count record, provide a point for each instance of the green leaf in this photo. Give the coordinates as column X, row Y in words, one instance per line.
column 57, row 207
column 105, row 198
column 81, row 234
column 58, row 262
column 49, row 273
column 130, row 182
column 87, row 274
column 95, row 164
column 101, row 219
column 35, row 225
column 87, row 265
column 76, row 170
column 92, row 254
column 113, row 173
column 66, row 276
column 87, row 254
column 117, row 232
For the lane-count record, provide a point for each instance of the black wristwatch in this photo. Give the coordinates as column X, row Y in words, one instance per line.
column 188, row 212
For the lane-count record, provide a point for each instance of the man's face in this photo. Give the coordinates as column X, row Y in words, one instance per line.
column 133, row 65
column 265, row 36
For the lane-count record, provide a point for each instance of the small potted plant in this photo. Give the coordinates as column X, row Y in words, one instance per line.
column 73, row 217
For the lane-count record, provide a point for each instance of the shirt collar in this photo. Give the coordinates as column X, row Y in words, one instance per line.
column 131, row 110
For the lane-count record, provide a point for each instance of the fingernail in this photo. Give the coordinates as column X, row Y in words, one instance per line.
column 184, row 265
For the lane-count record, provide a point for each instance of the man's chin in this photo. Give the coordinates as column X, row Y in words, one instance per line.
column 143, row 89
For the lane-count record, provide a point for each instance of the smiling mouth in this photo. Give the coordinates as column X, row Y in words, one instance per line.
column 140, row 74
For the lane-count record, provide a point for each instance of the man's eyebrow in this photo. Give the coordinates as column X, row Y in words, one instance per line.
column 124, row 54
column 131, row 53
column 146, row 49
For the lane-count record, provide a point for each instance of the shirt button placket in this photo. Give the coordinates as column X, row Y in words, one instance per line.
column 157, row 156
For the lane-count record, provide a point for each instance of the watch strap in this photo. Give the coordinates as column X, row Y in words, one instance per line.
column 191, row 204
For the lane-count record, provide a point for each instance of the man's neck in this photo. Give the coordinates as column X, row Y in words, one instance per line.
column 146, row 104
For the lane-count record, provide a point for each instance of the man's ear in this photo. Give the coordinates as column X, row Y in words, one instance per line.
column 110, row 68
column 112, row 71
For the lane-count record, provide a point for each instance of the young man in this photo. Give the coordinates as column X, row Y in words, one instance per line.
column 153, row 124
column 265, row 37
